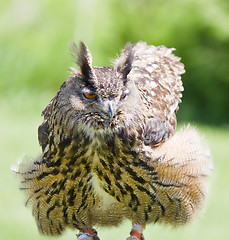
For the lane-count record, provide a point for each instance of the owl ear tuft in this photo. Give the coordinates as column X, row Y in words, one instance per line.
column 83, row 58
column 124, row 63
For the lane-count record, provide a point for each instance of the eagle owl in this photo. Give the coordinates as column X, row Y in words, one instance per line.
column 109, row 151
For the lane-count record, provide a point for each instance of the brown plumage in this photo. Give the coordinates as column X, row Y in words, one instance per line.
column 109, row 149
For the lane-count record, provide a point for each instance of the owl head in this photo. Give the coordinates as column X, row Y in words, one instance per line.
column 100, row 98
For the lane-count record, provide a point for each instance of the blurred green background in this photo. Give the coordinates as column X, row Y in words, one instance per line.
column 34, row 59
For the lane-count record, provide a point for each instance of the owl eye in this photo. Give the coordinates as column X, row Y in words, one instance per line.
column 123, row 96
column 90, row 95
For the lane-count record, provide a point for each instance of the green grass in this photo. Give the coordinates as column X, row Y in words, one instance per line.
column 19, row 119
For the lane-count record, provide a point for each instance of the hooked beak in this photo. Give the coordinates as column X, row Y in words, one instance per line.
column 110, row 112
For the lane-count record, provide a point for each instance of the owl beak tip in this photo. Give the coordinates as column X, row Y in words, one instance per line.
column 110, row 113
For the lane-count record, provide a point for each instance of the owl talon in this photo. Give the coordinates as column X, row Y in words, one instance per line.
column 84, row 236
column 88, row 234
column 136, row 233
column 132, row 238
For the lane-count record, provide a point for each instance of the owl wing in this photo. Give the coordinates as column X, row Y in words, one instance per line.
column 157, row 75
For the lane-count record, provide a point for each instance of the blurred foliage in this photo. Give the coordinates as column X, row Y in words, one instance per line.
column 34, row 54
